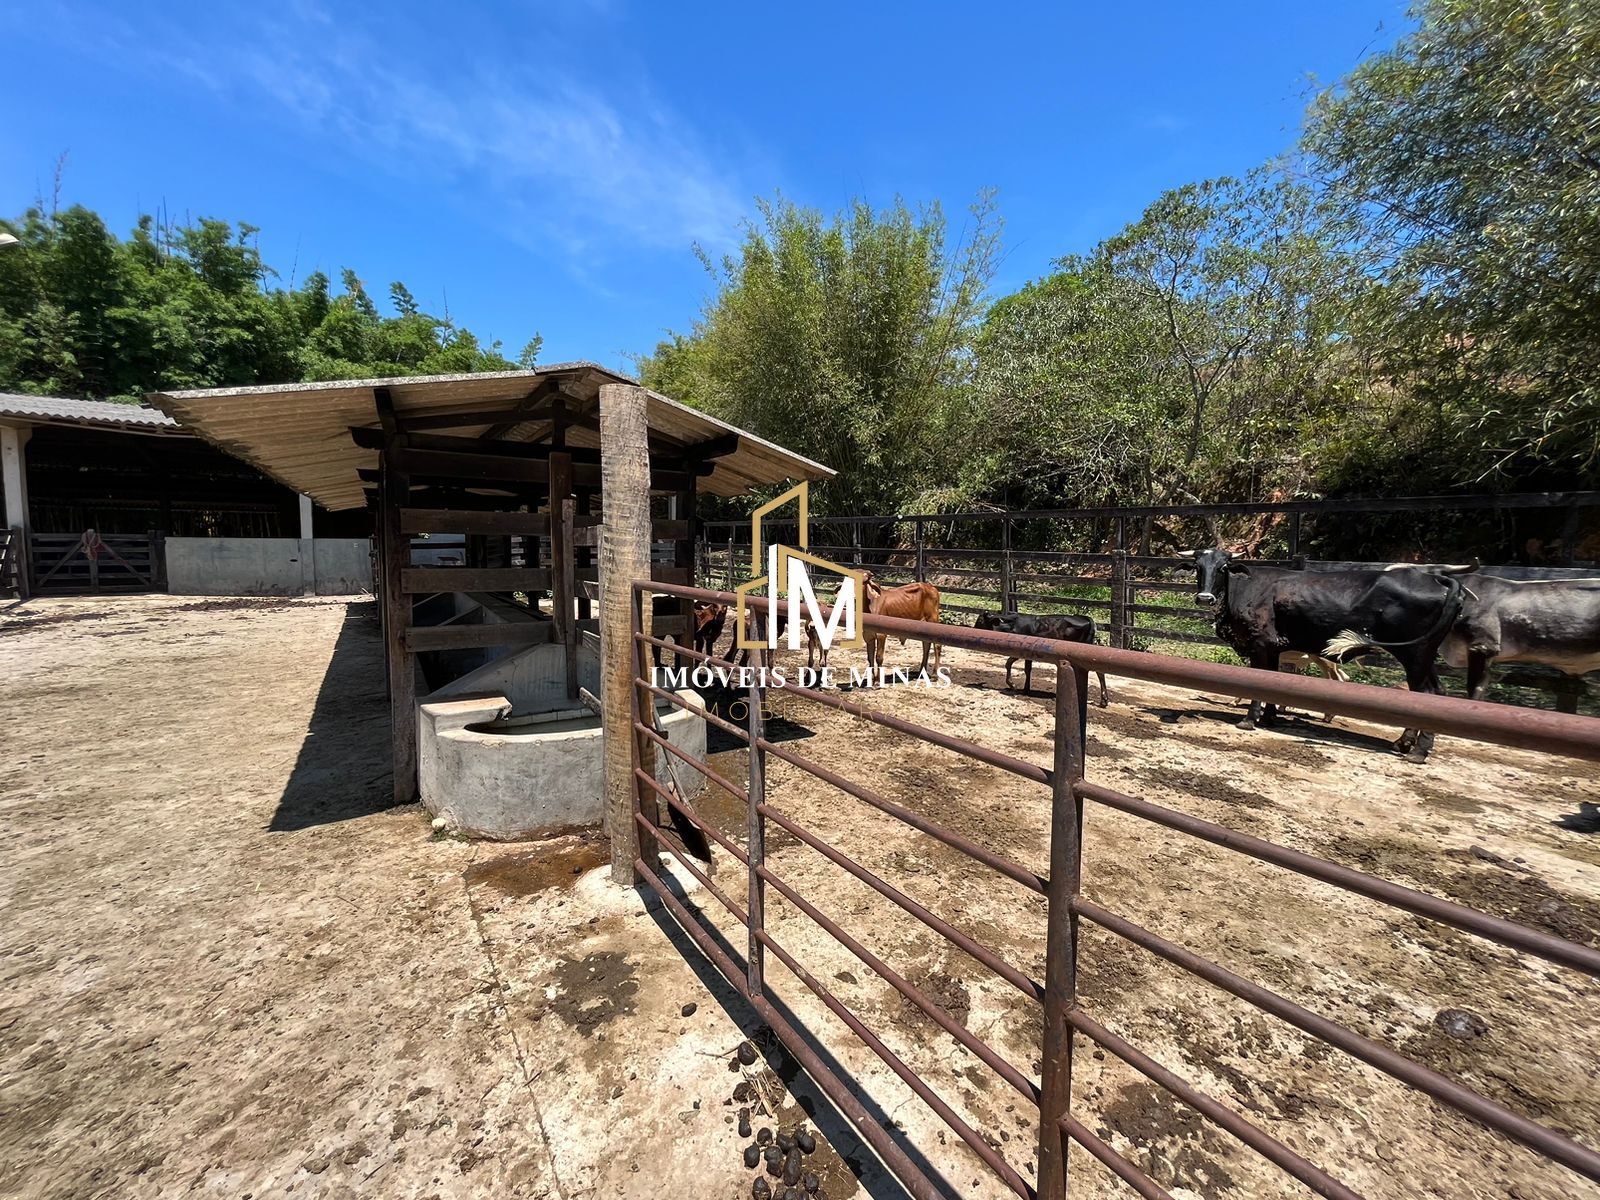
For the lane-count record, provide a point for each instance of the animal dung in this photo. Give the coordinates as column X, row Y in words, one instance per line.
column 752, row 1156
column 763, row 1136
column 744, row 1124
column 688, row 1010
column 785, row 1141
column 811, row 1182
column 806, row 1141
column 774, row 1158
column 791, row 1168
column 747, row 1053
column 761, row 1189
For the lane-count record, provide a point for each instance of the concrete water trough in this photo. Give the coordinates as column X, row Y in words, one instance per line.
column 503, row 754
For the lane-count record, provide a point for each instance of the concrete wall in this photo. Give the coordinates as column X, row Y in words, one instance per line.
column 268, row 566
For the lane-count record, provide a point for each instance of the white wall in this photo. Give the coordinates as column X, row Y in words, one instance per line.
column 268, row 566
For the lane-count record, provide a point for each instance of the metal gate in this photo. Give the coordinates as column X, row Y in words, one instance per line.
column 1065, row 1018
column 90, row 562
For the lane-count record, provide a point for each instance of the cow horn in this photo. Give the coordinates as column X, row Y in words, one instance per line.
column 1186, row 553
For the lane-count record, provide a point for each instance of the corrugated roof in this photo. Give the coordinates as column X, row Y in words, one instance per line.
column 58, row 410
column 299, row 433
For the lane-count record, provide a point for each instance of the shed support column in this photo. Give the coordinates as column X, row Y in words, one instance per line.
column 624, row 557
column 308, row 550
column 14, row 475
column 393, row 493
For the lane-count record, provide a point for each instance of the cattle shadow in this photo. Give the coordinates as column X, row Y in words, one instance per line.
column 1310, row 729
column 344, row 769
column 731, row 704
column 859, row 1157
column 1585, row 820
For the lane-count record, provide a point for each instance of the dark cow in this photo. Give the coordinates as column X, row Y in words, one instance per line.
column 1060, row 629
column 1555, row 622
column 1264, row 612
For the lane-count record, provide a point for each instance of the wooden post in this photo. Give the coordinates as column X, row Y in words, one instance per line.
column 683, row 556
column 1008, row 584
column 566, row 586
column 562, row 576
column 624, row 558
column 1120, row 591
column 394, row 491
column 585, row 554
column 1061, row 928
column 922, row 554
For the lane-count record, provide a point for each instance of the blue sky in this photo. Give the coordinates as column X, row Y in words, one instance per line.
column 550, row 166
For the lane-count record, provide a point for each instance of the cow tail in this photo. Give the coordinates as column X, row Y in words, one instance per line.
column 1350, row 642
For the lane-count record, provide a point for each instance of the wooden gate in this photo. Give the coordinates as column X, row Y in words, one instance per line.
column 64, row 563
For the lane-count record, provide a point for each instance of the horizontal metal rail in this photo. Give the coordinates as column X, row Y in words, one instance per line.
column 842, row 1097
column 1242, row 508
column 1250, row 1134
column 1446, row 912
column 1017, row 979
column 1499, row 724
column 1482, row 1109
column 1555, row 733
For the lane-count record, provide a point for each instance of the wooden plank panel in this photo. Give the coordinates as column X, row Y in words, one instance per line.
column 414, row 580
column 450, row 520
column 463, row 637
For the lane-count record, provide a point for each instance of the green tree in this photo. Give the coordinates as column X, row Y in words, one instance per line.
column 845, row 338
column 83, row 313
column 1471, row 154
column 1192, row 355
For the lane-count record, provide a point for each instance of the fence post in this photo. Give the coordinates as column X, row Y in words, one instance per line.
column 1120, row 590
column 1294, row 535
column 1061, row 930
column 756, row 844
column 922, row 553
column 624, row 558
column 728, row 562
column 1007, row 582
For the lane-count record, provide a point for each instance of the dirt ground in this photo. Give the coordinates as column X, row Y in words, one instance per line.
column 229, row 970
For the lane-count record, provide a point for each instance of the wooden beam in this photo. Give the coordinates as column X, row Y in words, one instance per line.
column 420, row 580
column 624, row 557
column 468, row 637
column 547, row 388
column 384, row 403
column 396, row 619
column 423, row 580
column 717, row 447
column 457, row 468
column 510, row 524
column 562, row 584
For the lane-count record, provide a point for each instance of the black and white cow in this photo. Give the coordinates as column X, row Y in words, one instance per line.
column 1264, row 612
column 1064, row 628
column 1555, row 622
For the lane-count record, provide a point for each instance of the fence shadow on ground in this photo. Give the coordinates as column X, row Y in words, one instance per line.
column 343, row 770
column 875, row 1181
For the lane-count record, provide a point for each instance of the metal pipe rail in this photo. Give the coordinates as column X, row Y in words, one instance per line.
column 1527, row 729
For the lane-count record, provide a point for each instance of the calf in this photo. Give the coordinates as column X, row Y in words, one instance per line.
column 1263, row 612
column 709, row 620
column 909, row 602
column 1060, row 629
column 1555, row 622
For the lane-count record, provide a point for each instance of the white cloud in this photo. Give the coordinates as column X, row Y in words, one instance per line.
column 541, row 153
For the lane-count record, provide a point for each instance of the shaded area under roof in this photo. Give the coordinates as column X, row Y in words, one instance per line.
column 59, row 410
column 299, row 433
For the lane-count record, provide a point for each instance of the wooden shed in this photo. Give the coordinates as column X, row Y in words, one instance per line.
column 512, row 461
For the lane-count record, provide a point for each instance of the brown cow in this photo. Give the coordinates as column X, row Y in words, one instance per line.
column 910, row 602
column 708, row 622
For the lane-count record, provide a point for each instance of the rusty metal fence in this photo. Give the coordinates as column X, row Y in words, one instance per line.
column 1065, row 1019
